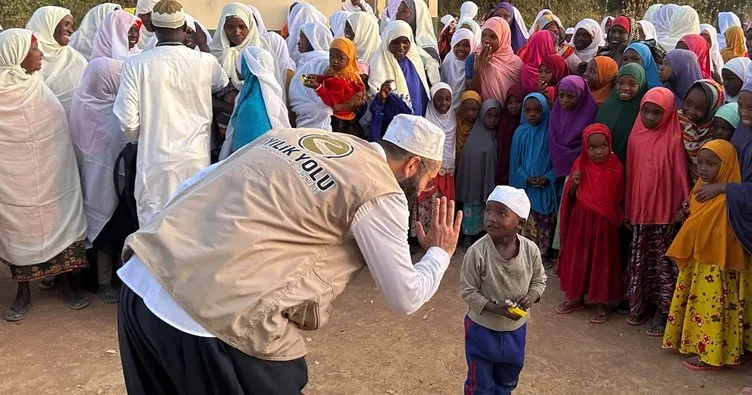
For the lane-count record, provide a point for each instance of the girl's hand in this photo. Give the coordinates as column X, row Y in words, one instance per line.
column 386, row 90
column 542, row 86
column 484, row 57
column 709, row 191
column 576, row 178
column 532, row 181
column 542, row 181
column 681, row 215
column 311, row 83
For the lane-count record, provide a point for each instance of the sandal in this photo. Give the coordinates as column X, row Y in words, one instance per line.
column 599, row 318
column 567, row 307
column 108, row 294
column 17, row 314
column 77, row 302
column 695, row 364
column 657, row 325
column 636, row 320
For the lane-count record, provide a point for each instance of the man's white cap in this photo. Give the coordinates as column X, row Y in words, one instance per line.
column 515, row 199
column 168, row 14
column 416, row 135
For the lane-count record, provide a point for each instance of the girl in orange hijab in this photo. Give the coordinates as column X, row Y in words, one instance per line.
column 707, row 311
column 600, row 76
column 736, row 46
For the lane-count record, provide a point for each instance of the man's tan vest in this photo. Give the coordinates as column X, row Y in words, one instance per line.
column 257, row 248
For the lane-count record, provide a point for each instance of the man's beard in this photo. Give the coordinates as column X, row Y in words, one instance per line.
column 410, row 187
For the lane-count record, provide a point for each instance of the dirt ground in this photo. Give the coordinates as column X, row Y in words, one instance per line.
column 367, row 350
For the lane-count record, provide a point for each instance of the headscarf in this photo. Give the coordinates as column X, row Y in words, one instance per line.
column 649, row 29
column 421, row 24
column 259, row 106
column 534, row 26
column 730, row 113
column 275, row 44
column 516, row 26
column 725, row 21
column 468, row 9
column 657, row 181
column 445, row 122
column 716, row 60
column 300, row 14
column 453, row 70
column 474, row 27
column 735, row 44
column 607, row 71
column 546, row 19
column 305, row 102
column 14, row 49
column 337, row 22
column 350, row 72
column 685, row 71
column 367, row 39
column 538, row 48
column 444, row 37
column 737, row 195
column 700, row 47
column 740, row 68
column 221, row 46
column 604, row 26
column 697, row 134
column 684, row 20
column 446, row 21
column 82, row 38
column 144, row 7
column 558, row 67
column 505, row 66
column 662, row 21
column 476, row 172
column 566, row 126
column 63, row 67
column 384, row 65
column 706, row 237
column 320, row 38
column 347, row 5
column 464, row 127
column 111, row 39
column 530, row 157
column 601, row 187
column 624, row 22
column 651, row 11
column 505, row 134
column 594, row 30
column 648, row 63
column 620, row 115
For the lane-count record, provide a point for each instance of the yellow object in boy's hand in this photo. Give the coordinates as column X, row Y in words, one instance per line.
column 514, row 309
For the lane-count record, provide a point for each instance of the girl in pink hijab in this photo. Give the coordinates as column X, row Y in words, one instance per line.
column 495, row 67
column 539, row 47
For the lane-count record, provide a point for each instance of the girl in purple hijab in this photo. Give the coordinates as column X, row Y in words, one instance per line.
column 574, row 110
column 516, row 24
column 679, row 70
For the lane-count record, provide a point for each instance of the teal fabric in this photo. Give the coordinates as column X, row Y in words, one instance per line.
column 250, row 119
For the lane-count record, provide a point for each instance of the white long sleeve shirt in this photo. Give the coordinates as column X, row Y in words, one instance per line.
column 380, row 230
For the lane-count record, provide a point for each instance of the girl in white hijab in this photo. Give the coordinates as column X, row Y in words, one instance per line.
column 63, row 66
column 300, row 14
column 739, row 67
column 337, row 23
column 725, row 21
column 453, row 68
column 357, row 6
column 593, row 29
column 310, row 110
column 363, row 29
column 716, row 60
column 662, row 20
column 650, row 13
column 314, row 41
column 471, row 25
column 40, row 197
column 648, row 30
column 684, row 20
column 81, row 39
column 468, row 10
column 226, row 51
column 605, row 27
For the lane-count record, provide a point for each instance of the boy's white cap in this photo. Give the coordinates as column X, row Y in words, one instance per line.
column 416, row 135
column 515, row 199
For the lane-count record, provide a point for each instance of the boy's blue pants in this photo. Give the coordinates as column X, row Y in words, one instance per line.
column 494, row 359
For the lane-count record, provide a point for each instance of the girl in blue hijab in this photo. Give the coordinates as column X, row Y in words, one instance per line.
column 640, row 53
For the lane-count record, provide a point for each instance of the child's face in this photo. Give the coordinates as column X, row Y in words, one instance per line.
column 469, row 110
column 665, row 70
column 651, row 115
column 732, row 84
column 567, row 100
column 591, row 74
column 708, row 165
column 133, row 34
column 617, row 36
column 337, row 59
column 303, row 44
column 545, row 74
column 721, row 129
column 745, row 108
column 442, row 101
column 462, row 49
column 696, row 105
column 533, row 111
column 627, row 87
column 399, row 47
column 492, row 119
column 514, row 105
column 499, row 221
column 582, row 39
column 631, row 56
column 349, row 32
column 598, row 149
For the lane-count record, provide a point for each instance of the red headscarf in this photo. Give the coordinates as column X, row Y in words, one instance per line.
column 505, row 133
column 657, row 171
column 700, row 47
column 559, row 68
column 624, row 22
column 538, row 48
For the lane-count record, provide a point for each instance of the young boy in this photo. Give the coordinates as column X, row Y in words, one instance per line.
column 499, row 268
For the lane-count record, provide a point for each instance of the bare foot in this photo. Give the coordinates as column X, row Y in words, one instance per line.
column 73, row 299
column 108, row 294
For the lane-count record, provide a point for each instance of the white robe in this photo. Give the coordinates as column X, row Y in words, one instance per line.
column 82, row 38
column 310, row 109
column 165, row 102
column 41, row 211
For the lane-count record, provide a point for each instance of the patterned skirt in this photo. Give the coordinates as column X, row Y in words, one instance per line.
column 70, row 259
column 540, row 229
column 651, row 277
column 711, row 314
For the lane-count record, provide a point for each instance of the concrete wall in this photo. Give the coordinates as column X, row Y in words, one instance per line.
column 274, row 11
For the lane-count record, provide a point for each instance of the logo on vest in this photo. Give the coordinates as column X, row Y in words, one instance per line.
column 326, row 146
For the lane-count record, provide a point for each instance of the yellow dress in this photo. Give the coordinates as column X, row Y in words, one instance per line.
column 711, row 314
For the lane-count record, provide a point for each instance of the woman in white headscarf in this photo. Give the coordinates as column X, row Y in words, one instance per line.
column 684, row 20
column 337, row 23
column 662, row 20
column 468, row 10
column 606, row 26
column 736, row 74
column 357, row 6
column 310, row 111
column 98, row 140
column 227, row 49
column 417, row 15
column 725, row 21
column 276, row 45
column 363, row 29
column 592, row 31
column 81, row 39
column 646, row 31
column 314, row 41
column 63, row 66
column 471, row 25
column 650, row 12
column 143, row 11
column 259, row 106
column 41, row 209
column 300, row 14
column 711, row 35
column 453, row 68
